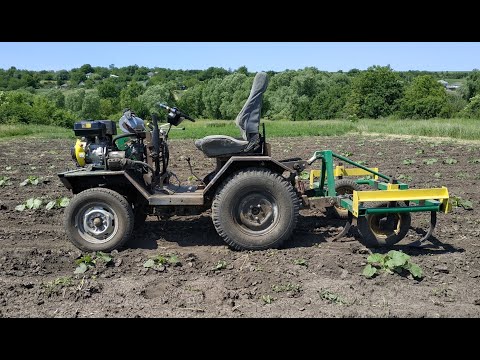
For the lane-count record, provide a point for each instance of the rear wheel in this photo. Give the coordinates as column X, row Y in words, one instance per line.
column 255, row 209
column 343, row 187
column 98, row 220
column 383, row 229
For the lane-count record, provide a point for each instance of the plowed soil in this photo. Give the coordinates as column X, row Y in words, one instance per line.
column 312, row 276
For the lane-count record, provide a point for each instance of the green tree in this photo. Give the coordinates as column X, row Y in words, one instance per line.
column 472, row 85
column 56, row 97
column 374, row 93
column 129, row 95
column 74, row 101
column 424, row 98
column 472, row 110
column 191, row 101
column 149, row 100
column 108, row 89
column 91, row 106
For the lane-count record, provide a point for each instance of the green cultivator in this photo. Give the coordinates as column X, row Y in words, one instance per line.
column 382, row 215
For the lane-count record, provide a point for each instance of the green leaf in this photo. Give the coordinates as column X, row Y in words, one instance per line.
column 301, row 262
column 173, row 259
column 29, row 203
column 34, row 182
column 305, row 175
column 466, row 204
column 64, row 202
column 104, row 257
column 397, row 258
column 437, row 175
column 415, row 270
column 369, row 271
column 37, row 203
column 50, row 205
column 375, row 258
column 82, row 267
column 20, row 207
column 149, row 263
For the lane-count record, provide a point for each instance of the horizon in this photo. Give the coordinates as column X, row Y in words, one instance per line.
column 277, row 57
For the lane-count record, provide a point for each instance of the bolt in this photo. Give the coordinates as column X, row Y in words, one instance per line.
column 251, row 206
column 259, row 206
column 256, row 218
column 97, row 222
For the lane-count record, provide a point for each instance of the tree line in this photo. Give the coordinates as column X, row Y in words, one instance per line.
column 63, row 97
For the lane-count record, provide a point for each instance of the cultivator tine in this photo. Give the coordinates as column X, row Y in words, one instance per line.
column 433, row 223
column 346, row 228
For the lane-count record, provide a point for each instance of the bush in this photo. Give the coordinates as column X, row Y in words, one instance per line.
column 472, row 110
column 425, row 98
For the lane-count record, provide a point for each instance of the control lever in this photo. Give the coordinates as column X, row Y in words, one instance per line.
column 191, row 170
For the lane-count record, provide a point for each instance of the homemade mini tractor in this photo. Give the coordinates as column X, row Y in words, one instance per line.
column 254, row 199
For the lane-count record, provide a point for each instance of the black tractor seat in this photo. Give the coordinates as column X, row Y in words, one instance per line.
column 248, row 120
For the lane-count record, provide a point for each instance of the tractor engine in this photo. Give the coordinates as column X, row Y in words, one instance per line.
column 94, row 143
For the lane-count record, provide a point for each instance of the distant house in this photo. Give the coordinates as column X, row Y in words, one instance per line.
column 150, row 74
column 452, row 87
column 64, row 86
column 88, row 75
column 81, row 83
column 113, row 76
column 443, row 82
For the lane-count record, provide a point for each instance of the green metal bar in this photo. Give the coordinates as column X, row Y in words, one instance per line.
column 404, row 209
column 328, row 160
column 358, row 165
column 383, row 186
column 322, row 177
column 364, row 182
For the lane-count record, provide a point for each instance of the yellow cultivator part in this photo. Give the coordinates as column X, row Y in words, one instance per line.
column 394, row 201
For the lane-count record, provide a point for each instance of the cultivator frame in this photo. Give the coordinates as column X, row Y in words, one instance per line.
column 391, row 191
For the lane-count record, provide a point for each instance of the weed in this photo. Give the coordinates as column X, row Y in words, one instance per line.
column 59, row 203
column 419, row 151
column 32, row 203
column 31, row 180
column 404, row 177
column 89, row 261
column 160, row 262
column 438, row 175
column 450, row 161
column 430, row 161
column 474, row 161
column 5, row 181
column 222, row 264
column 288, row 287
column 332, row 297
column 457, row 201
column 301, row 262
column 408, row 162
column 57, row 284
column 393, row 261
column 267, row 299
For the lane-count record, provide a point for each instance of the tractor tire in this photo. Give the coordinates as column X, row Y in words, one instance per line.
column 255, row 209
column 98, row 220
column 383, row 229
column 342, row 187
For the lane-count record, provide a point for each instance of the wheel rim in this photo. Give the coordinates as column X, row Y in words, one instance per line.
column 384, row 225
column 256, row 213
column 97, row 223
column 342, row 191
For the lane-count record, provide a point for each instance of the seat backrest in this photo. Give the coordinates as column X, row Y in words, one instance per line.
column 248, row 119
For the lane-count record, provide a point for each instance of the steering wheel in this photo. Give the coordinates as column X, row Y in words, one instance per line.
column 176, row 111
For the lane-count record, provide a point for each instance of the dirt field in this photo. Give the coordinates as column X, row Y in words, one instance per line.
column 311, row 277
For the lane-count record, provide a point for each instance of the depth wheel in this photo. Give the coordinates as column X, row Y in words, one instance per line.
column 343, row 187
column 383, row 229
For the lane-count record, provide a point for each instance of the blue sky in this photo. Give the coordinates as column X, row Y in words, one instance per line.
column 276, row 56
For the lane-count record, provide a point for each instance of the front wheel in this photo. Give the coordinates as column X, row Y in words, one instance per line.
column 98, row 220
column 255, row 209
